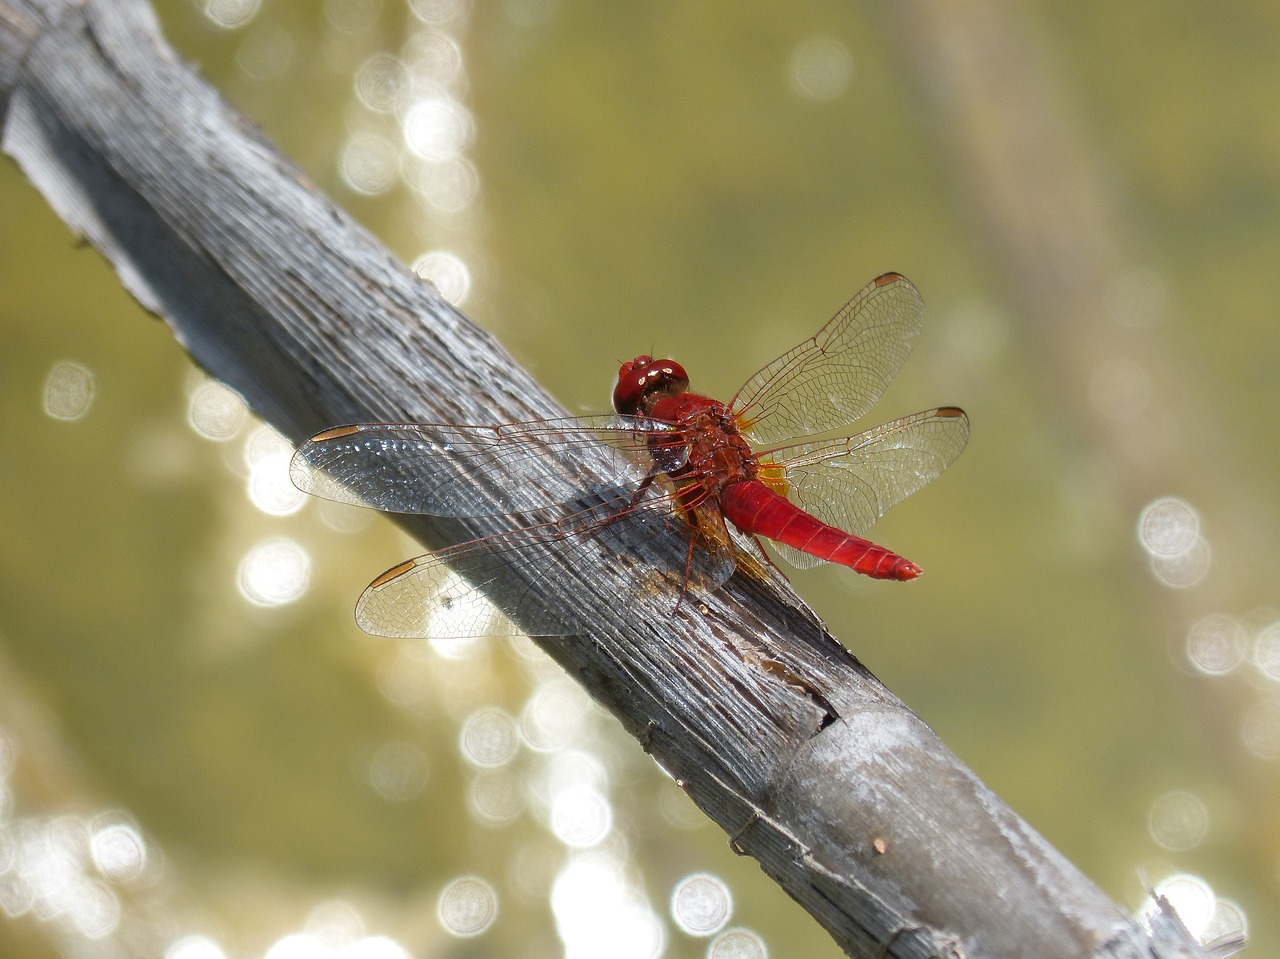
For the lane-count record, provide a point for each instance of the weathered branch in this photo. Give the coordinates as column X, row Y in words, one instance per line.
column 779, row 734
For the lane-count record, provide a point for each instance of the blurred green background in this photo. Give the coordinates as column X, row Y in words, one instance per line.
column 200, row 755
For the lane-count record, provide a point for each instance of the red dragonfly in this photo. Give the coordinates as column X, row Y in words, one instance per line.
column 672, row 458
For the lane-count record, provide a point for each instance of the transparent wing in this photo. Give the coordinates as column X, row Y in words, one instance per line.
column 836, row 376
column 852, row 481
column 644, row 552
column 474, row 470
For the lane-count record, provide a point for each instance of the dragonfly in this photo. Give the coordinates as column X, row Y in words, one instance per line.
column 669, row 465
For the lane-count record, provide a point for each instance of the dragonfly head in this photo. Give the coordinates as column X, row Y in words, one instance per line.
column 643, row 378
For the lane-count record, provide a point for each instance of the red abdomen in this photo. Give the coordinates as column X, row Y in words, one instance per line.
column 754, row 508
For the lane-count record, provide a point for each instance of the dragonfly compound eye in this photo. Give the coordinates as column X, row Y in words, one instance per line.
column 643, row 377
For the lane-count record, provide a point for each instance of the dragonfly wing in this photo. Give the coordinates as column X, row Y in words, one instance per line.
column 472, row 470
column 836, row 376
column 425, row 598
column 615, row 548
column 852, row 481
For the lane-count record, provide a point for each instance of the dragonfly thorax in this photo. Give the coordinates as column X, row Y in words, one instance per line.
column 717, row 455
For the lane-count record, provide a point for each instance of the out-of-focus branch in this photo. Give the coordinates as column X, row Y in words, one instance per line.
column 1034, row 184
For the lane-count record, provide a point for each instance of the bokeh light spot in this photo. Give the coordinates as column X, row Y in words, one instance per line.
column 488, row 738
column 216, row 412
column 580, row 816
column 275, row 572
column 1178, row 820
column 438, row 128
column 1191, row 898
column 16, row 896
column 467, row 907
column 1215, row 644
column 69, row 389
column 335, row 922
column 382, row 83
column 297, row 945
column 1266, row 651
column 1229, row 920
column 820, row 68
column 438, row 13
column 118, row 851
column 194, row 947
column 1184, row 570
column 553, row 714
column 267, row 455
column 737, row 944
column 94, row 909
column 374, row 947
column 352, row 18
column 369, row 164
column 343, row 517
column 434, row 60
column 230, row 14
column 495, row 798
column 701, row 904
column 447, row 187
column 1168, row 526
column 447, row 272
column 1169, row 530
column 270, row 490
column 599, row 914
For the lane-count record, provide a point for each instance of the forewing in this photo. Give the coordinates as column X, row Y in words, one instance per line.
column 614, row 548
column 473, row 470
column 852, row 481
column 836, row 376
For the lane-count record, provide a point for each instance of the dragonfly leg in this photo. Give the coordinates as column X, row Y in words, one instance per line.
column 644, row 485
column 765, row 553
column 688, row 566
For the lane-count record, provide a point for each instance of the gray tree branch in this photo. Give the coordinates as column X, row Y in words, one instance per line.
column 849, row 801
